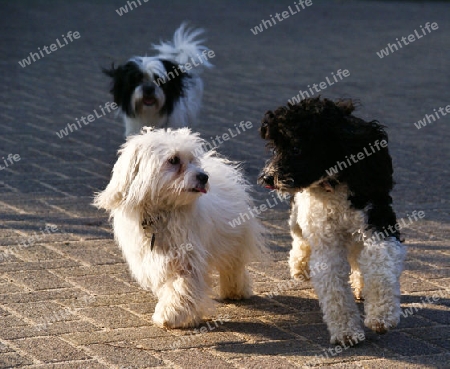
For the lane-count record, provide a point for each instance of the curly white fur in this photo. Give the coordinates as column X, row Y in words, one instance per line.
column 159, row 179
column 323, row 226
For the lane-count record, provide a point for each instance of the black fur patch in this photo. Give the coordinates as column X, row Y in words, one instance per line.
column 173, row 87
column 310, row 137
column 125, row 80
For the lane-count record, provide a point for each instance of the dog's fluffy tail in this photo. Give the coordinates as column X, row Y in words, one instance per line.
column 185, row 47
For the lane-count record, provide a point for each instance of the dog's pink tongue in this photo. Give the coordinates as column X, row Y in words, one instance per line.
column 202, row 190
column 270, row 187
column 149, row 101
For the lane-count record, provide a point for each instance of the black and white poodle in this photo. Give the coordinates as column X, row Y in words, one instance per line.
column 339, row 171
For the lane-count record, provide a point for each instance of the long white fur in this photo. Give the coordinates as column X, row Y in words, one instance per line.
column 326, row 229
column 184, row 47
column 144, row 184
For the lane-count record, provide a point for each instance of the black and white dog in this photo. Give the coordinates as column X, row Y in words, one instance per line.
column 339, row 171
column 164, row 90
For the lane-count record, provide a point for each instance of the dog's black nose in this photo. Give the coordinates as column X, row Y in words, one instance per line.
column 148, row 89
column 269, row 180
column 202, row 178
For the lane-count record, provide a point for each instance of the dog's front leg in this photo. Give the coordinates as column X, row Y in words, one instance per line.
column 333, row 290
column 299, row 257
column 381, row 264
column 354, row 247
column 301, row 251
column 183, row 300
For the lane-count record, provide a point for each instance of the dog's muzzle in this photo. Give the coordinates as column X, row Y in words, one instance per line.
column 148, row 95
column 267, row 181
column 202, row 181
column 202, row 178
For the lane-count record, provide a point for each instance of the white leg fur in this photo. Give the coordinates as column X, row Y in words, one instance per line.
column 334, row 292
column 322, row 224
column 235, row 282
column 381, row 264
column 183, row 302
column 300, row 252
column 356, row 279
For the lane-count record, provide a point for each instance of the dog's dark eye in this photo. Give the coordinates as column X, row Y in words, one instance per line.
column 296, row 151
column 175, row 160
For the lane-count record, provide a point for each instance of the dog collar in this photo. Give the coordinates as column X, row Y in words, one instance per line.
column 152, row 243
column 151, row 225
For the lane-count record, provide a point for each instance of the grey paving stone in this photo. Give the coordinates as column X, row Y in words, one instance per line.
column 50, row 349
column 124, row 356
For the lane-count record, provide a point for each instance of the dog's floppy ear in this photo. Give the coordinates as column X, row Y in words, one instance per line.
column 125, row 78
column 264, row 130
column 110, row 72
column 269, row 128
column 117, row 82
column 123, row 174
column 373, row 173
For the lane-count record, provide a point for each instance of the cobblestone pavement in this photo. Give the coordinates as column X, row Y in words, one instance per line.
column 66, row 297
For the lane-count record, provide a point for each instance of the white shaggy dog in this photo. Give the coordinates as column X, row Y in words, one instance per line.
column 172, row 206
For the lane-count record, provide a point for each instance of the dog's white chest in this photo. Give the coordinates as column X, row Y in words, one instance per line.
column 319, row 210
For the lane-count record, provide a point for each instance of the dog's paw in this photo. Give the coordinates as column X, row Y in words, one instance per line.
column 232, row 293
column 358, row 294
column 299, row 270
column 160, row 321
column 175, row 321
column 300, row 274
column 380, row 326
column 175, row 317
column 235, row 284
column 235, row 296
column 348, row 339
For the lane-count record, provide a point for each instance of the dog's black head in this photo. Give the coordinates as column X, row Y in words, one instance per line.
column 126, row 78
column 318, row 141
column 138, row 84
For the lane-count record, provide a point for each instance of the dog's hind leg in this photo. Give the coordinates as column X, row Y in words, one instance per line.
column 334, row 292
column 235, row 282
column 301, row 251
column 299, row 258
column 356, row 279
column 381, row 263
